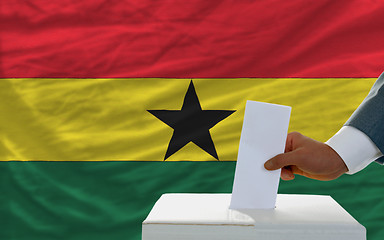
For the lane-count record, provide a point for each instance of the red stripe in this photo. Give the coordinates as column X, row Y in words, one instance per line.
column 103, row 38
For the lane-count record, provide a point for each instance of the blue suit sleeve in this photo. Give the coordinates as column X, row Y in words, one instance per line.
column 369, row 116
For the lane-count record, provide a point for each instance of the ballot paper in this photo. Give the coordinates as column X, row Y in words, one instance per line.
column 263, row 136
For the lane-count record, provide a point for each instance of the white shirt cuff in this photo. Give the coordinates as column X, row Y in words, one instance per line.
column 355, row 148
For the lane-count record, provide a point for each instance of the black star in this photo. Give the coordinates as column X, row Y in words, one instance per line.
column 191, row 124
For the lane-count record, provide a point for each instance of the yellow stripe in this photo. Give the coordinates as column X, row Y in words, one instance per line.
column 106, row 119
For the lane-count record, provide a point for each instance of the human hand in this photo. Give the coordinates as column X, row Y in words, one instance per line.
column 307, row 157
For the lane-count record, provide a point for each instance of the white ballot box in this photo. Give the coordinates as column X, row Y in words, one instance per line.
column 208, row 217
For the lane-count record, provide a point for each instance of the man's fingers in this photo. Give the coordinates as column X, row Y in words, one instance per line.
column 282, row 160
column 287, row 174
column 292, row 139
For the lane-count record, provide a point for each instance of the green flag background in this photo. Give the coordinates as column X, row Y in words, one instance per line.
column 109, row 200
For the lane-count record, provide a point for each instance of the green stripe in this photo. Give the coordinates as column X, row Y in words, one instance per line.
column 109, row 200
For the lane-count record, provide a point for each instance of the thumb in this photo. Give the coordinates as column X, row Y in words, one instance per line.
column 281, row 160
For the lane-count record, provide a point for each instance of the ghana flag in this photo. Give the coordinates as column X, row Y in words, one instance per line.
column 106, row 105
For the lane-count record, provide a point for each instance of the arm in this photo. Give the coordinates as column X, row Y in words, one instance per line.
column 369, row 116
column 355, row 148
column 317, row 160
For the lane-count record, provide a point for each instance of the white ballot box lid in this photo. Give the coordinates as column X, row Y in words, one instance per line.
column 207, row 216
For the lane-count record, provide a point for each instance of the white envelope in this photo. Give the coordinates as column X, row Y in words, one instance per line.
column 263, row 136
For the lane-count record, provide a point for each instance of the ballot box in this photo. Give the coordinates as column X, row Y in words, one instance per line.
column 208, row 217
